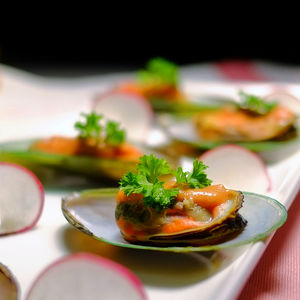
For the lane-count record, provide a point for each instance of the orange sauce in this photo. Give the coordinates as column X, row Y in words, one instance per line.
column 128, row 229
column 153, row 90
column 180, row 223
column 58, row 145
column 208, row 197
column 77, row 146
column 121, row 197
column 236, row 124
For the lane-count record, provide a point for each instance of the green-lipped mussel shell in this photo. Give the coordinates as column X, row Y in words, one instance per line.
column 93, row 212
column 188, row 107
column 20, row 153
column 181, row 130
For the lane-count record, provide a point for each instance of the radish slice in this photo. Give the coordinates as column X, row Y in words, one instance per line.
column 237, row 168
column 132, row 111
column 86, row 276
column 21, row 199
column 285, row 99
column 9, row 288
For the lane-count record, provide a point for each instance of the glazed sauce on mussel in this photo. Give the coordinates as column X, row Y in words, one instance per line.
column 229, row 124
column 194, row 209
column 87, row 147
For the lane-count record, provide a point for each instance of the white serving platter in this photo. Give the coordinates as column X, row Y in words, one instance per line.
column 32, row 106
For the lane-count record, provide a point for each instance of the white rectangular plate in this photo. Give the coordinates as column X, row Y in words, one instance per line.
column 31, row 106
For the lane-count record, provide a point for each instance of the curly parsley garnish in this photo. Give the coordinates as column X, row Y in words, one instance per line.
column 256, row 104
column 197, row 179
column 159, row 70
column 110, row 133
column 91, row 128
column 114, row 135
column 148, row 183
column 152, row 167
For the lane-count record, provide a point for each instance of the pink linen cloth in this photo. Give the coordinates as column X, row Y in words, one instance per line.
column 257, row 71
column 277, row 275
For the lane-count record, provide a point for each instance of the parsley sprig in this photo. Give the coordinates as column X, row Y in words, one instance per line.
column 148, row 183
column 151, row 167
column 195, row 179
column 256, row 104
column 159, row 70
column 93, row 127
column 114, row 135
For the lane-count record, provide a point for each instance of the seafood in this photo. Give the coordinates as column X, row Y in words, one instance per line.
column 86, row 147
column 99, row 150
column 158, row 82
column 194, row 216
column 199, row 217
column 153, row 91
column 236, row 124
column 94, row 140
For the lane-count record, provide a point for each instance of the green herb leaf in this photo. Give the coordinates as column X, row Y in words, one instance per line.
column 91, row 128
column 161, row 71
column 256, row 104
column 114, row 135
column 130, row 184
column 147, row 182
column 196, row 179
column 158, row 197
column 155, row 195
column 152, row 167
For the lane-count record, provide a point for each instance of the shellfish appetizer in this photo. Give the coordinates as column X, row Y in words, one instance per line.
column 159, row 83
column 186, row 209
column 253, row 123
column 94, row 139
column 253, row 119
column 94, row 212
column 100, row 148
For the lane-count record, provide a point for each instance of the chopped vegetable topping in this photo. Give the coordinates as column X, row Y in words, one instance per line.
column 92, row 128
column 256, row 104
column 159, row 70
column 148, row 183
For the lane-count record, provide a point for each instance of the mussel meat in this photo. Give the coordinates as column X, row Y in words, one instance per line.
column 236, row 125
column 202, row 216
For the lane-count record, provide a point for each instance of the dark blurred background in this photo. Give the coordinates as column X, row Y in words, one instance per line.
column 74, row 52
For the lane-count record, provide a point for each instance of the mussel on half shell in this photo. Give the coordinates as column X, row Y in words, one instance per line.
column 198, row 217
column 231, row 125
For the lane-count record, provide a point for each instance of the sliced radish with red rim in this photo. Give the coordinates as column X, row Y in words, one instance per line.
column 131, row 110
column 237, row 168
column 86, row 276
column 285, row 99
column 21, row 199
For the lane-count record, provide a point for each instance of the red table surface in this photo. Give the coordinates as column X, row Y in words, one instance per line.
column 277, row 275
